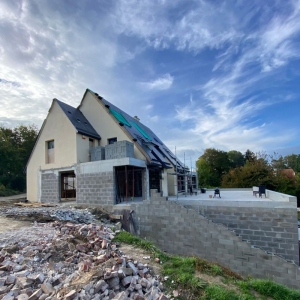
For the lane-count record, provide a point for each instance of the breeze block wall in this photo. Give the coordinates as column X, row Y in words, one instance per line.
column 49, row 188
column 95, row 189
column 272, row 229
column 182, row 231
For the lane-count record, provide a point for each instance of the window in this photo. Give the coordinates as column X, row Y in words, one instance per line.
column 111, row 141
column 50, row 152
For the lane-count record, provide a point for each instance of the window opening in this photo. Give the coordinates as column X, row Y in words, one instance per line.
column 50, row 152
column 111, row 141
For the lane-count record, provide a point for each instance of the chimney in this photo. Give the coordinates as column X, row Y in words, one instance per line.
column 136, row 118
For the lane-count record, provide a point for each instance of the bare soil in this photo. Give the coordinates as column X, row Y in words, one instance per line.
column 139, row 254
column 7, row 224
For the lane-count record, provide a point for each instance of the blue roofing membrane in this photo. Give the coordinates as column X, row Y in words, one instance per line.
column 78, row 120
column 154, row 147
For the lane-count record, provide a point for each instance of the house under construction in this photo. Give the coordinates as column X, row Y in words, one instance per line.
column 99, row 155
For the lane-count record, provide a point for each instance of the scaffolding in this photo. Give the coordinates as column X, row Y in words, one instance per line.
column 184, row 180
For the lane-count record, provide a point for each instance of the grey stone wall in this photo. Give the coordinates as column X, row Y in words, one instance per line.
column 95, row 189
column 178, row 230
column 50, row 188
column 272, row 229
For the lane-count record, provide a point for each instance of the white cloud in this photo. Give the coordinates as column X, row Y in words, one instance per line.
column 162, row 83
column 154, row 118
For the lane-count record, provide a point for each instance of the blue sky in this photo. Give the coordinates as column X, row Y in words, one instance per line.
column 223, row 74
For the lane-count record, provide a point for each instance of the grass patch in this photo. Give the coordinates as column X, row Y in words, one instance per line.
column 299, row 215
column 181, row 276
column 216, row 292
column 271, row 289
column 215, row 269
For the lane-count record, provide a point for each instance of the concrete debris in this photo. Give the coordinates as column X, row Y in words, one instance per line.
column 47, row 214
column 70, row 261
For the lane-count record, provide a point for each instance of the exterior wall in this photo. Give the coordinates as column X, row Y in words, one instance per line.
column 272, row 229
column 50, row 188
column 57, row 127
column 172, row 186
column 178, row 230
column 164, row 183
column 96, row 181
column 82, row 148
column 94, row 111
column 95, row 189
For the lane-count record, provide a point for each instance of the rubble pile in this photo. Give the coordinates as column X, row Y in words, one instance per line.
column 48, row 214
column 72, row 261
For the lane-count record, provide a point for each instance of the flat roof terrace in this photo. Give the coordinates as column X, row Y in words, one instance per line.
column 238, row 198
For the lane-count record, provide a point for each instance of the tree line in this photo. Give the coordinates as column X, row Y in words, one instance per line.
column 233, row 169
column 15, row 148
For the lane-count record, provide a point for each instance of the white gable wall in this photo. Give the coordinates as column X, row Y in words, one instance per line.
column 103, row 123
column 58, row 128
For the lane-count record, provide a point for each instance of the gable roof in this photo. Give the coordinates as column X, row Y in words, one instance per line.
column 79, row 121
column 158, row 152
column 84, row 127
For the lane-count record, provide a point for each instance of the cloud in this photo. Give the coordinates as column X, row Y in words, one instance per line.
column 56, row 49
column 149, row 106
column 162, row 83
column 203, row 24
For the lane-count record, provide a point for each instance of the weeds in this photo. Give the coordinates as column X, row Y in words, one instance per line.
column 215, row 269
column 181, row 275
column 270, row 289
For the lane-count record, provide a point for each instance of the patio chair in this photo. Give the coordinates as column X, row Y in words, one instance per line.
column 255, row 190
column 262, row 190
column 217, row 192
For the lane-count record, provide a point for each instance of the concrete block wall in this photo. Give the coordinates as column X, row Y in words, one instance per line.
column 272, row 229
column 95, row 189
column 50, row 188
column 119, row 150
column 97, row 153
column 178, row 230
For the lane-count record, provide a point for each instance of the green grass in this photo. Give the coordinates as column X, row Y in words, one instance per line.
column 299, row 215
column 271, row 289
column 181, row 271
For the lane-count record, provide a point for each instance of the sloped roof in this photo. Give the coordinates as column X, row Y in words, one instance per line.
column 78, row 120
column 145, row 137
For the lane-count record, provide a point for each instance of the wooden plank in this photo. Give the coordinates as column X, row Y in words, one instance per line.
column 34, row 205
column 116, row 217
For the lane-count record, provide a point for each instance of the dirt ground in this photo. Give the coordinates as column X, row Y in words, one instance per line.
column 7, row 224
column 139, row 254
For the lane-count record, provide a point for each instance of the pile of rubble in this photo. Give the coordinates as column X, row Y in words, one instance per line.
column 48, row 214
column 72, row 261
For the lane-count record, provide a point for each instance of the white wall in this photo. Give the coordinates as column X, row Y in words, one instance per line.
column 58, row 128
column 104, row 124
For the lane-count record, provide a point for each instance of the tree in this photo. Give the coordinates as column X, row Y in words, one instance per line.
column 292, row 161
column 15, row 147
column 249, row 156
column 203, row 171
column 236, row 158
column 253, row 173
column 216, row 164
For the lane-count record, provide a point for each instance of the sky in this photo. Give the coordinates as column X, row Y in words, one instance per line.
column 200, row 74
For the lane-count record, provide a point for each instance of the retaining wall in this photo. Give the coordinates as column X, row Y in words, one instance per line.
column 178, row 230
column 272, row 229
